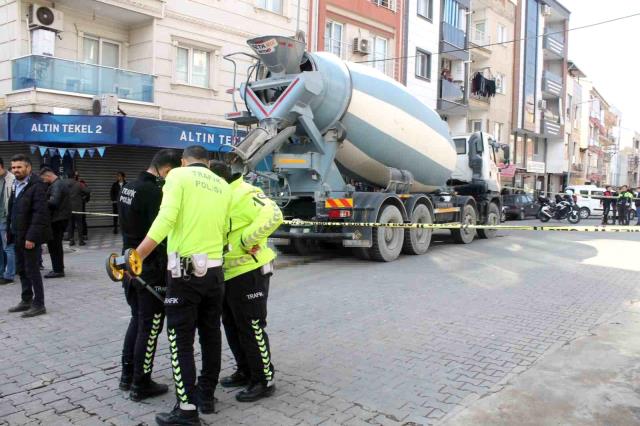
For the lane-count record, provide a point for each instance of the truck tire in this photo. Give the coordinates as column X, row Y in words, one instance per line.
column 387, row 242
column 417, row 241
column 493, row 218
column 298, row 247
column 469, row 217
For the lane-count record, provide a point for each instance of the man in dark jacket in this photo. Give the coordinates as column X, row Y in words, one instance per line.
column 138, row 206
column 60, row 208
column 116, row 188
column 77, row 194
column 29, row 227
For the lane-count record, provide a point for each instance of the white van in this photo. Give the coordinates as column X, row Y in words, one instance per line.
column 588, row 205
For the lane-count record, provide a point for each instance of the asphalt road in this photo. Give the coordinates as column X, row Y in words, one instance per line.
column 354, row 342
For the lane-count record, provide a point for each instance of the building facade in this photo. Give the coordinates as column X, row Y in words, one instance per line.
column 421, row 44
column 364, row 31
column 539, row 113
column 453, row 62
column 159, row 64
column 491, row 79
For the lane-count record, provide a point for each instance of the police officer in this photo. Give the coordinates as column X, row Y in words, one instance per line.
column 138, row 204
column 247, row 269
column 194, row 214
column 625, row 198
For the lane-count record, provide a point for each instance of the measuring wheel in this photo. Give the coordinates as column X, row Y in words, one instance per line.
column 129, row 262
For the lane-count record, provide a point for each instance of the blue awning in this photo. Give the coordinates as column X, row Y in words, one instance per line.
column 112, row 130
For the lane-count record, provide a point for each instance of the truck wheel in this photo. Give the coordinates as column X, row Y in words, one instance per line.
column 298, row 247
column 469, row 217
column 417, row 241
column 493, row 218
column 387, row 242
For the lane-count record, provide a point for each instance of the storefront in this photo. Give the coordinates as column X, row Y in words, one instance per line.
column 529, row 159
column 97, row 147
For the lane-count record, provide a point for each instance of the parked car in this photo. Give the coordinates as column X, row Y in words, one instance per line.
column 520, row 206
column 588, row 205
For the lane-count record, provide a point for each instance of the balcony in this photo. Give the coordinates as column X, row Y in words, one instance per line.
column 451, row 100
column 551, row 85
column 480, row 42
column 44, row 72
column 453, row 43
column 553, row 46
column 551, row 126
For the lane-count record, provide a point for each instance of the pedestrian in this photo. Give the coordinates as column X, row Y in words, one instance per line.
column 625, row 198
column 86, row 197
column 248, row 266
column 194, row 217
column 138, row 207
column 77, row 194
column 60, row 210
column 606, row 202
column 116, row 187
column 29, row 227
column 7, row 251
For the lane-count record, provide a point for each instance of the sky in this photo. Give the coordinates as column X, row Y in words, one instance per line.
column 608, row 53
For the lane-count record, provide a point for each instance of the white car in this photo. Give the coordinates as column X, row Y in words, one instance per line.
column 588, row 205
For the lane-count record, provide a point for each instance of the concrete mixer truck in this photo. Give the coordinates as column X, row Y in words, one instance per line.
column 348, row 144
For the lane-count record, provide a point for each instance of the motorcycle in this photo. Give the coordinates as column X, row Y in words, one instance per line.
column 560, row 210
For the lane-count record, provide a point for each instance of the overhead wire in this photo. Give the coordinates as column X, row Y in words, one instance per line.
column 595, row 24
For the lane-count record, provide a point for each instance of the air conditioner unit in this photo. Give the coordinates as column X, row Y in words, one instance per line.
column 542, row 104
column 106, row 104
column 546, row 10
column 361, row 45
column 45, row 17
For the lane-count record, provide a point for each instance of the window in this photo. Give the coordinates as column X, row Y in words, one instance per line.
column 461, row 146
column 333, row 38
column 500, row 83
column 502, row 34
column 271, row 5
column 423, row 64
column 192, row 66
column 99, row 51
column 425, row 9
column 475, row 125
column 380, row 53
column 497, row 131
column 452, row 14
column 479, row 32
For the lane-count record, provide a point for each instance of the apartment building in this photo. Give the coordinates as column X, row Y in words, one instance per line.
column 364, row 31
column 491, row 78
column 577, row 124
column 539, row 112
column 454, row 59
column 603, row 119
column 421, row 44
column 159, row 64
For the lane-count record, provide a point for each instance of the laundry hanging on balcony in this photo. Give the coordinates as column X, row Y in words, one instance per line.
column 483, row 86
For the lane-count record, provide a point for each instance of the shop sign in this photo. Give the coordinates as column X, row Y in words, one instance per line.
column 166, row 134
column 535, row 166
column 34, row 127
column 508, row 171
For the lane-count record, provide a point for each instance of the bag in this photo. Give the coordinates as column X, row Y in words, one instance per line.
column 173, row 265
column 199, row 264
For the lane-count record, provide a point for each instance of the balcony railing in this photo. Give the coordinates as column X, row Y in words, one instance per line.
column 46, row 72
column 451, row 91
column 554, row 43
column 551, row 125
column 552, row 83
column 454, row 36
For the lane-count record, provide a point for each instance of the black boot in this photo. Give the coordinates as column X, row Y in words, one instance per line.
column 205, row 398
column 236, row 380
column 255, row 391
column 127, row 375
column 146, row 388
column 178, row 417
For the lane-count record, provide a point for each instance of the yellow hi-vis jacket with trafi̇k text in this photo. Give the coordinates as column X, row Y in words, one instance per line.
column 194, row 213
column 253, row 218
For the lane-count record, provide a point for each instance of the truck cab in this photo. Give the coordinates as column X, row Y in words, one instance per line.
column 477, row 160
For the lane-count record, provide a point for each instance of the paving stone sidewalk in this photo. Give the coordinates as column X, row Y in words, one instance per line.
column 355, row 343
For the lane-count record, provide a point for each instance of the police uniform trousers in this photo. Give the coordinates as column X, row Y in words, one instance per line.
column 244, row 316
column 147, row 318
column 194, row 303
